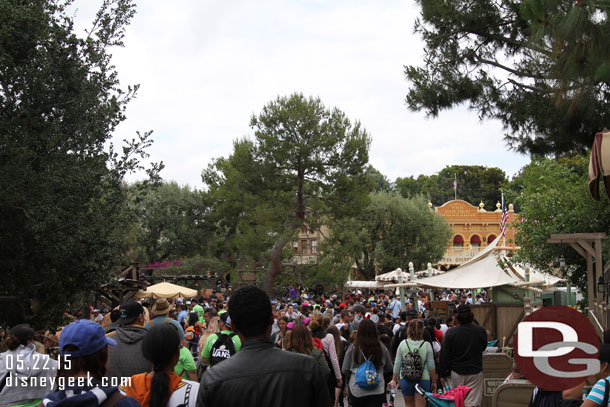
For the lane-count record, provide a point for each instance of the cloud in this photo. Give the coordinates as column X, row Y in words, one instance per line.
column 205, row 67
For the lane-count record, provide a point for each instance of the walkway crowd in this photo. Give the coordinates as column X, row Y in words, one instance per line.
column 245, row 349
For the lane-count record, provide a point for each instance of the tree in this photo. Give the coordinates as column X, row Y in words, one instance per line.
column 172, row 223
column 399, row 230
column 475, row 183
column 554, row 198
column 540, row 67
column 305, row 164
column 63, row 211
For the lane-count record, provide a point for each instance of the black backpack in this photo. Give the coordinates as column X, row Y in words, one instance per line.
column 223, row 348
column 412, row 364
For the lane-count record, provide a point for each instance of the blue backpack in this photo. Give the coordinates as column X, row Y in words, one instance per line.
column 366, row 375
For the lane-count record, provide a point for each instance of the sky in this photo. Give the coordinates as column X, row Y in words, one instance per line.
column 205, row 67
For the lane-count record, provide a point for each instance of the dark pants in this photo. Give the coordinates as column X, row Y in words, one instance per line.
column 375, row 400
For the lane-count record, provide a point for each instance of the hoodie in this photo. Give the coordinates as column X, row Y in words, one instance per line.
column 126, row 358
column 26, row 375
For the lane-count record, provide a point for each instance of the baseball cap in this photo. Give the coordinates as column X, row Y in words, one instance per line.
column 225, row 318
column 87, row 335
column 130, row 310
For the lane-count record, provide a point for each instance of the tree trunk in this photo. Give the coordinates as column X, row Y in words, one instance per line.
column 275, row 266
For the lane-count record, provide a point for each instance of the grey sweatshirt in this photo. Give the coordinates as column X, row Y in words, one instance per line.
column 125, row 358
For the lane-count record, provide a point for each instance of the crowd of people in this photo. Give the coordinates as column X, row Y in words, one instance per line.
column 246, row 349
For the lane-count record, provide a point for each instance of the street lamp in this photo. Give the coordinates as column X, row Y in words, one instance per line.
column 601, row 285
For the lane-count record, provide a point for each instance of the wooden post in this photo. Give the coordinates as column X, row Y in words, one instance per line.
column 591, row 283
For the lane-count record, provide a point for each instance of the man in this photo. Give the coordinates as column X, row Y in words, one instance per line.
column 97, row 317
column 182, row 314
column 400, row 329
column 261, row 374
column 160, row 312
column 199, row 310
column 292, row 314
column 395, row 307
column 480, row 299
column 345, row 320
column 126, row 358
column 461, row 358
column 358, row 310
column 214, row 351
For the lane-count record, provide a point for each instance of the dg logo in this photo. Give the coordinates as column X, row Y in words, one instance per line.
column 556, row 348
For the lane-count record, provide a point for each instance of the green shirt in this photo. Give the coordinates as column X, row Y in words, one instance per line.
column 425, row 352
column 185, row 363
column 199, row 310
column 207, row 349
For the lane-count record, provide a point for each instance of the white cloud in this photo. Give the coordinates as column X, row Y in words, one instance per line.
column 205, row 67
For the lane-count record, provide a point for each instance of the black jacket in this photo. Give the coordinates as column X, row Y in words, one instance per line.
column 261, row 374
column 462, row 350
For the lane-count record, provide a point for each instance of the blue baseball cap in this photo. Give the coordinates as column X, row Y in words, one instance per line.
column 87, row 335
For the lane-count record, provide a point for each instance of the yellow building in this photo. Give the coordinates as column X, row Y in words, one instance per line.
column 473, row 229
column 305, row 246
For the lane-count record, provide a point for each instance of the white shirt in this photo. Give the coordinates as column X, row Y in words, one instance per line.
column 398, row 326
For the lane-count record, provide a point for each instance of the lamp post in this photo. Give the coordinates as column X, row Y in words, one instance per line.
column 402, row 291
column 562, row 267
column 412, row 275
column 430, row 275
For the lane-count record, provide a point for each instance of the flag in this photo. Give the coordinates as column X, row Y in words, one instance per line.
column 504, row 217
column 455, row 182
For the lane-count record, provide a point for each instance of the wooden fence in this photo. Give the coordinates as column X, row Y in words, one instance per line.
column 500, row 321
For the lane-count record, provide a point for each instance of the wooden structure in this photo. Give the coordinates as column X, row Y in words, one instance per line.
column 500, row 321
column 589, row 246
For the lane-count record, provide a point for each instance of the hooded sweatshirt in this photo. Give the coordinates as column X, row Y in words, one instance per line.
column 126, row 358
column 26, row 375
column 182, row 392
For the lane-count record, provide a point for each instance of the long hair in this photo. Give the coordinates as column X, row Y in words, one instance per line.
column 367, row 343
column 338, row 342
column 415, row 330
column 160, row 345
column 301, row 340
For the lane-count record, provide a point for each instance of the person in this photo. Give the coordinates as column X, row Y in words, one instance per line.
column 182, row 314
column 279, row 335
column 332, row 330
column 367, row 346
column 415, row 342
column 345, row 320
column 217, row 348
column 515, row 374
column 83, row 343
column 291, row 314
column 192, row 332
column 97, row 316
column 596, row 395
column 22, row 364
column 160, row 312
column 212, row 327
column 126, row 358
column 318, row 326
column 186, row 367
column 461, row 357
column 301, row 342
column 162, row 387
column 400, row 329
column 115, row 315
column 260, row 374
column 395, row 307
column 199, row 310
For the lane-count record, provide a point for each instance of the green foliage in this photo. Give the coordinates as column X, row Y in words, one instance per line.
column 63, row 212
column 539, row 66
column 305, row 164
column 172, row 223
column 554, row 198
column 476, row 184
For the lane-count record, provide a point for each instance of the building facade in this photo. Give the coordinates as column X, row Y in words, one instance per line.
column 473, row 229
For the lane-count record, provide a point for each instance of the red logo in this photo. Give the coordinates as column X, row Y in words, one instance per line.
column 556, row 348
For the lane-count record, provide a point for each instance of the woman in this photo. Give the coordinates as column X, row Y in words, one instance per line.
column 162, row 387
column 22, row 362
column 278, row 337
column 367, row 346
column 415, row 342
column 301, row 342
column 330, row 352
column 596, row 395
column 83, row 346
column 332, row 330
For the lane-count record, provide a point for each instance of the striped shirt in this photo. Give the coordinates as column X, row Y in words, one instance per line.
column 597, row 392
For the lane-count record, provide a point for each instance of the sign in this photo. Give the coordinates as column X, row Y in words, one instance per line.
column 556, row 348
column 490, row 386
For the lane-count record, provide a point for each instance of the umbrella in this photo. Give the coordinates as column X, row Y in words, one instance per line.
column 393, row 276
column 166, row 290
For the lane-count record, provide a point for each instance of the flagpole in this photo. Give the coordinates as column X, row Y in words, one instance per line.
column 455, row 186
column 503, row 209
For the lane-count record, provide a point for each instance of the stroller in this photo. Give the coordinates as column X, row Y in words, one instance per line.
column 452, row 398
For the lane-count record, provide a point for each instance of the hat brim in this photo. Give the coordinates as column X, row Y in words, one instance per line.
column 110, row 341
column 127, row 321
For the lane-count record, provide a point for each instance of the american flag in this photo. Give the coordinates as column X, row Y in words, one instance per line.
column 455, row 182
column 504, row 217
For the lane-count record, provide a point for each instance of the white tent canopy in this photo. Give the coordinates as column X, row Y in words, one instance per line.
column 365, row 284
column 392, row 276
column 166, row 290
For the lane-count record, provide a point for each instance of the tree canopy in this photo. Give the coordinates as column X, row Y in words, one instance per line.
column 540, row 67
column 305, row 164
column 63, row 210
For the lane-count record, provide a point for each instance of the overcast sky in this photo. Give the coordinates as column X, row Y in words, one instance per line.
column 204, row 67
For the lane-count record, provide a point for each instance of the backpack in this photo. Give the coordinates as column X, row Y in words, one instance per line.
column 317, row 343
column 545, row 398
column 189, row 333
column 412, row 367
column 366, row 375
column 223, row 348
